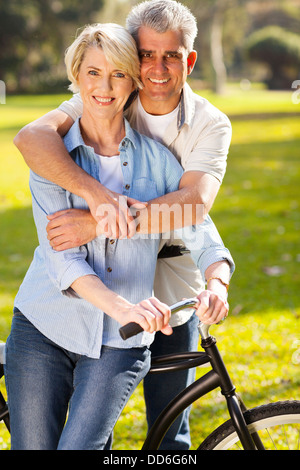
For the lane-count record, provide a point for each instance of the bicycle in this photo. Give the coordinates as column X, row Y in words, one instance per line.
column 258, row 428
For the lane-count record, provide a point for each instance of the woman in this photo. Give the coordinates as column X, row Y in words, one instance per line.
column 64, row 352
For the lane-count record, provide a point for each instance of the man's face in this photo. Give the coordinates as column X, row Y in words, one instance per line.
column 164, row 69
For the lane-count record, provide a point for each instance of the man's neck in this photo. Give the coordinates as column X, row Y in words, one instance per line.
column 158, row 108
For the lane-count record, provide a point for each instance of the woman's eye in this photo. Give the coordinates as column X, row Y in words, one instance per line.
column 93, row 72
column 119, row 74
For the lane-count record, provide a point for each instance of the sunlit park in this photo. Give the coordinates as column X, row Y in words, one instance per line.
column 249, row 67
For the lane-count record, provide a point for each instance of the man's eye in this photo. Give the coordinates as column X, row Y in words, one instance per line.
column 172, row 56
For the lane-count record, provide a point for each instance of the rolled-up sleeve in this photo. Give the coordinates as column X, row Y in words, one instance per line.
column 205, row 245
column 73, row 107
column 63, row 267
column 211, row 149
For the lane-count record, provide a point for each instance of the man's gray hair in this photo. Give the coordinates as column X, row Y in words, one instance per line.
column 162, row 16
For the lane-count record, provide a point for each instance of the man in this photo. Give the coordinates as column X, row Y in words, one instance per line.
column 198, row 135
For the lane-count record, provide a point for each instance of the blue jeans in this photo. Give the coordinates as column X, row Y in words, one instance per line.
column 160, row 389
column 44, row 382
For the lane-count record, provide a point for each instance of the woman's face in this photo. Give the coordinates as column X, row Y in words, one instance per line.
column 103, row 88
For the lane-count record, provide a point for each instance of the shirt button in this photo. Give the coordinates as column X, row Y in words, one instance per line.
column 127, row 186
column 109, row 270
column 112, row 242
column 125, row 163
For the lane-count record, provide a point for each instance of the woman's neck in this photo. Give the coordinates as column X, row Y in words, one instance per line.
column 103, row 135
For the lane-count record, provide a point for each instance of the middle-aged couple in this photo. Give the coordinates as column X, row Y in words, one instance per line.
column 68, row 372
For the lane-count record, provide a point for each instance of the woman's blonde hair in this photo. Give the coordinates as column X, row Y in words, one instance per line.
column 117, row 44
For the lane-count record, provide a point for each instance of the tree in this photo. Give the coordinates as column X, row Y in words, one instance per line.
column 280, row 50
column 33, row 37
column 221, row 25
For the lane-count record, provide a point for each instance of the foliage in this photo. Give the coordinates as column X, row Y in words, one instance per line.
column 279, row 49
column 33, row 37
column 257, row 213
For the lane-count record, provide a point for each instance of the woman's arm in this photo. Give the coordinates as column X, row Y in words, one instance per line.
column 70, row 271
column 151, row 314
column 213, row 306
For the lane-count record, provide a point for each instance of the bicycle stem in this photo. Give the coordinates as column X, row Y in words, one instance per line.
column 190, row 303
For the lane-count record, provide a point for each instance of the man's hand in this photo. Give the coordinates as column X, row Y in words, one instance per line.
column 112, row 212
column 212, row 307
column 70, row 228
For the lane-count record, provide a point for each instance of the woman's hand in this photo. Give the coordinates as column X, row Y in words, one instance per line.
column 151, row 314
column 212, row 307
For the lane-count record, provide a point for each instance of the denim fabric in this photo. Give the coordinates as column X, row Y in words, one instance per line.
column 160, row 389
column 42, row 379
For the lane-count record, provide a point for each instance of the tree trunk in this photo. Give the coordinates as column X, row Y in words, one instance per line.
column 217, row 50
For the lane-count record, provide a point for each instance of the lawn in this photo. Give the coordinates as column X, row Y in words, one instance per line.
column 258, row 215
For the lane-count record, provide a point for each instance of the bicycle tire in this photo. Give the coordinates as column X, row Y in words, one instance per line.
column 278, row 416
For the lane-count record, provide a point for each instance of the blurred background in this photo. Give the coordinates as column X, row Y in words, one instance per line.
column 249, row 67
column 249, row 40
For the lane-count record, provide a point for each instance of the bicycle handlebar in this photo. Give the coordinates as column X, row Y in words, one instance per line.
column 132, row 329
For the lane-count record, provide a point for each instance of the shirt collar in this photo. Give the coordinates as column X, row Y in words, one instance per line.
column 186, row 111
column 73, row 138
column 187, row 107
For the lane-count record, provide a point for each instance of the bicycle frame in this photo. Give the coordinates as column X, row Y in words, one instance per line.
column 217, row 377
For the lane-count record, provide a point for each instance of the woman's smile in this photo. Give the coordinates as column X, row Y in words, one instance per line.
column 104, row 101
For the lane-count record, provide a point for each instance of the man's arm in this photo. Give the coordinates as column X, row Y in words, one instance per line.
column 187, row 206
column 42, row 147
column 72, row 228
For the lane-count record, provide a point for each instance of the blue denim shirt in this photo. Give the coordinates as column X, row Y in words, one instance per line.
column 125, row 266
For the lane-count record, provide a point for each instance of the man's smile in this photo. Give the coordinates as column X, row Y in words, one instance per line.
column 159, row 81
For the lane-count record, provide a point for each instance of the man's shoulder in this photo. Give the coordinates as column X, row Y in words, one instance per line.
column 204, row 109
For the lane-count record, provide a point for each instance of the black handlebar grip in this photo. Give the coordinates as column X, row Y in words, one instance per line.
column 129, row 330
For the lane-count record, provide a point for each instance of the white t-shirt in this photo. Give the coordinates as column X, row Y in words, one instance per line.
column 154, row 126
column 111, row 175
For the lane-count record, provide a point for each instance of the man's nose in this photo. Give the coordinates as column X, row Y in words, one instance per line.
column 160, row 65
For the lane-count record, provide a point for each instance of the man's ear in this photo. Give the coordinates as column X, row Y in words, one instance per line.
column 191, row 60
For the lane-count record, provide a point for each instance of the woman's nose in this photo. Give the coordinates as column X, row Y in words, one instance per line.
column 104, row 83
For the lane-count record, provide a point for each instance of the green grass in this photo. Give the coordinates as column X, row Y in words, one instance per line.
column 258, row 215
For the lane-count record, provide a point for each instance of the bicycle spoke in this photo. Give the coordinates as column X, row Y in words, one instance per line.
column 271, row 439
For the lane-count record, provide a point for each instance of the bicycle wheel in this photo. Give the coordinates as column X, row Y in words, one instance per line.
column 277, row 424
